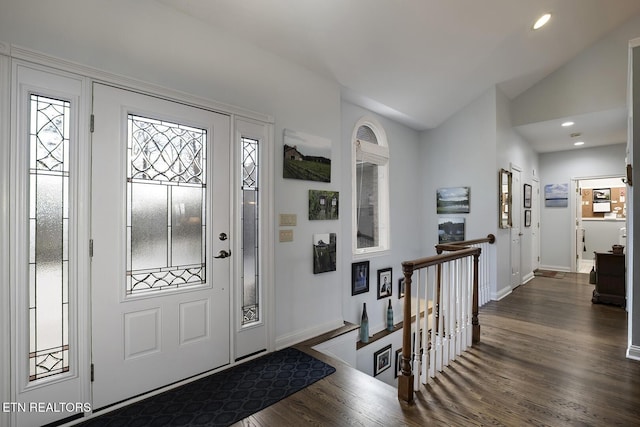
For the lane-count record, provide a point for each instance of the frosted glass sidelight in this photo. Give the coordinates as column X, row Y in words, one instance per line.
column 367, row 204
column 49, row 129
column 166, row 200
column 250, row 204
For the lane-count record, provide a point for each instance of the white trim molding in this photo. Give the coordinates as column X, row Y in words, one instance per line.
column 633, row 352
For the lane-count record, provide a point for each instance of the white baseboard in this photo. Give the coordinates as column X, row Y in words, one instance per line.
column 299, row 336
column 562, row 268
column 497, row 296
column 633, row 352
column 528, row 277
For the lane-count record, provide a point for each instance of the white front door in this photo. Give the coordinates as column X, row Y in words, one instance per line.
column 160, row 220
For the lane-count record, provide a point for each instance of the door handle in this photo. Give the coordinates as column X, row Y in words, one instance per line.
column 223, row 254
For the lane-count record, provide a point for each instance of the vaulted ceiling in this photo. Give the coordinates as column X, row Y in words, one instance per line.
column 420, row 61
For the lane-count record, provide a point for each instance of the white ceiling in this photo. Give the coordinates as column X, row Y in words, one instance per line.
column 420, row 61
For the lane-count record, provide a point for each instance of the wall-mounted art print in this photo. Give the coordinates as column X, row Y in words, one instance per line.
column 527, row 218
column 385, row 289
column 306, row 157
column 381, row 360
column 556, row 195
column 450, row 230
column 359, row 277
column 401, row 283
column 323, row 205
column 601, row 200
column 324, row 252
column 527, row 196
column 453, row 200
column 398, row 362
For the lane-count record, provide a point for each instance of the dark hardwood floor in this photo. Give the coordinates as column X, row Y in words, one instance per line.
column 548, row 357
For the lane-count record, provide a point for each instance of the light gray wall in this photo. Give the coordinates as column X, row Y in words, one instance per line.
column 462, row 153
column 556, row 224
column 600, row 235
column 406, row 225
column 147, row 41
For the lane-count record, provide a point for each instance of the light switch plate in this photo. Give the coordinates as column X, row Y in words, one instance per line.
column 286, row 235
column 288, row 220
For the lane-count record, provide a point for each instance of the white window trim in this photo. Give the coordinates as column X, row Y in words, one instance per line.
column 379, row 155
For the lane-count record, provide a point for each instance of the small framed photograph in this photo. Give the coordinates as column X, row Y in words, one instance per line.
column 381, row 360
column 527, row 218
column 384, row 283
column 398, row 361
column 323, row 205
column 359, row 277
column 527, row 196
column 401, row 287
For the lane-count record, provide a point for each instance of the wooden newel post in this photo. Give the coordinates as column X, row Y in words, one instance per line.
column 405, row 381
column 474, row 310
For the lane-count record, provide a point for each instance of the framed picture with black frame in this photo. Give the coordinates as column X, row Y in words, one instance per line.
column 527, row 218
column 385, row 288
column 381, row 360
column 527, row 196
column 359, row 277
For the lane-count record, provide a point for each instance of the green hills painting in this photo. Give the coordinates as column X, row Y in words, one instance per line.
column 306, row 157
column 453, row 200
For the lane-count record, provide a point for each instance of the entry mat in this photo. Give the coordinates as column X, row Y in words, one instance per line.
column 226, row 397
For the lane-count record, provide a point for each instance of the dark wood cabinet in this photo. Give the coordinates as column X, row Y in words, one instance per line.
column 610, row 279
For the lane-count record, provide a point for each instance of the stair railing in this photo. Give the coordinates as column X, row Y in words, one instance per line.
column 446, row 292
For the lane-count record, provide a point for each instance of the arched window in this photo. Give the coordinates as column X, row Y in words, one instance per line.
column 370, row 154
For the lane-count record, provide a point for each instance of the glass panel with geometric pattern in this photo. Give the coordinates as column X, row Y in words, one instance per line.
column 166, row 205
column 49, row 130
column 250, row 200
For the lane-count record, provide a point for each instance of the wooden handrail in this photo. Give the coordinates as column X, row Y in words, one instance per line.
column 455, row 246
column 454, row 251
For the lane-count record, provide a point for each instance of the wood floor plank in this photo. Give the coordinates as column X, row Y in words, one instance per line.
column 547, row 357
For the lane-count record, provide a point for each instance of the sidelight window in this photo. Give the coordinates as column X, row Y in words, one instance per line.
column 49, row 130
column 249, row 220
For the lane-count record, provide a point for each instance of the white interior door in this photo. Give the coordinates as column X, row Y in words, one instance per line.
column 160, row 266
column 516, row 233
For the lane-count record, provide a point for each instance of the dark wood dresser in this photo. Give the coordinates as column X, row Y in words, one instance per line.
column 610, row 279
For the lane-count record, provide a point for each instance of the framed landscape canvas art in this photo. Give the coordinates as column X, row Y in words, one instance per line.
column 306, row 157
column 453, row 200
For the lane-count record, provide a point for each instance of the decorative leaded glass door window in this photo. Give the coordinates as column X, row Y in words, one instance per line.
column 166, row 195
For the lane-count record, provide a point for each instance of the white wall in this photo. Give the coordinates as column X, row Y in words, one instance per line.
column 462, row 153
column 150, row 42
column 406, row 220
column 556, row 224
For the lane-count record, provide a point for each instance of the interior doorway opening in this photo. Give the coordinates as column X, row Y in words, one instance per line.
column 599, row 217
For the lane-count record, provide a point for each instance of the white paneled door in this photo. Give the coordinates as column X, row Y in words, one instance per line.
column 160, row 268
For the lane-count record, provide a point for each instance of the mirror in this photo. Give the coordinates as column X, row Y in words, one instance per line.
column 505, row 199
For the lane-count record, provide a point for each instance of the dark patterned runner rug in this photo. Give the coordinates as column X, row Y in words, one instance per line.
column 226, row 397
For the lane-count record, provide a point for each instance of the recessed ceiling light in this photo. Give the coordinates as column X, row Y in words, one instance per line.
column 578, row 143
column 541, row 21
column 566, row 124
